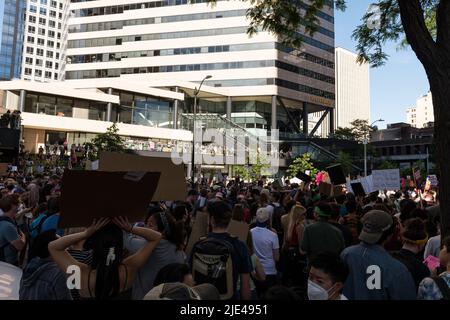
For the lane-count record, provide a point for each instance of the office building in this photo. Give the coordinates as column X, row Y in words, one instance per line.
column 422, row 114
column 11, row 38
column 45, row 40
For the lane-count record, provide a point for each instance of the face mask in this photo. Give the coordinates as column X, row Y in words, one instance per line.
column 316, row 292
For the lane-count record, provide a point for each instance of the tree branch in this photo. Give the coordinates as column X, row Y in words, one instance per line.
column 443, row 26
column 417, row 34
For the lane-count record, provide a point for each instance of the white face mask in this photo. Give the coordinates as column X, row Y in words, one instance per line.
column 316, row 292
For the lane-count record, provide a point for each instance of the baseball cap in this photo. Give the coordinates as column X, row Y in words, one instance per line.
column 219, row 195
column 180, row 291
column 262, row 215
column 375, row 223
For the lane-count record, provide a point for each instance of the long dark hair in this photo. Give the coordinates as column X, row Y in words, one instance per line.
column 106, row 241
column 171, row 229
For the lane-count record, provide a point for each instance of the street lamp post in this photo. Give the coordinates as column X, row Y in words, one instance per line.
column 196, row 92
column 365, row 142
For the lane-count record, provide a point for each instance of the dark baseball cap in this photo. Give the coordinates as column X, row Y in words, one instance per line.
column 180, row 291
column 375, row 223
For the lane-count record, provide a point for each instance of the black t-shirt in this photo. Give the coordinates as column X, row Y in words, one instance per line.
column 418, row 270
column 346, row 233
column 241, row 258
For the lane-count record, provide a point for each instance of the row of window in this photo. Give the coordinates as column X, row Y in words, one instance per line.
column 306, row 89
column 40, row 52
column 304, row 72
column 118, row 56
column 40, row 63
column 112, row 41
column 165, row 3
column 53, row 3
column 42, row 21
column 114, row 25
column 101, row 26
column 42, row 32
column 38, row 73
column 43, row 11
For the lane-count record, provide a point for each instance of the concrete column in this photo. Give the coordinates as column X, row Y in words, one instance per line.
column 305, row 118
column 331, row 118
column 229, row 107
column 175, row 111
column 23, row 95
column 274, row 112
column 109, row 107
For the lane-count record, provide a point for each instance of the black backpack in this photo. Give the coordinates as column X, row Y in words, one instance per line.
column 3, row 247
column 212, row 262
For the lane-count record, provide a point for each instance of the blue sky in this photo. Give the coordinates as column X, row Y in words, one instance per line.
column 393, row 87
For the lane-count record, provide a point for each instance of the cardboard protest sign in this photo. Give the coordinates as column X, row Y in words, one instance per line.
column 238, row 229
column 172, row 183
column 326, row 189
column 386, row 179
column 336, row 174
column 199, row 229
column 366, row 182
column 86, row 195
column 9, row 281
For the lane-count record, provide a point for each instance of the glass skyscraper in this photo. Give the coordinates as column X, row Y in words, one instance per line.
column 12, row 14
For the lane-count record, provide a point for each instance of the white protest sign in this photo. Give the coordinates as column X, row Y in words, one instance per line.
column 433, row 180
column 386, row 179
column 295, row 180
column 366, row 183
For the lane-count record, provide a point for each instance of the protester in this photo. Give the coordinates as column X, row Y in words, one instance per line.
column 414, row 239
column 334, row 218
column 110, row 274
column 322, row 236
column 438, row 287
column 42, row 279
column 374, row 274
column 220, row 243
column 168, row 250
column 12, row 240
column 352, row 221
column 294, row 262
column 267, row 248
column 327, row 275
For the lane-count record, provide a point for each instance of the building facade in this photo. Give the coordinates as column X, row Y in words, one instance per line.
column 11, row 38
column 352, row 89
column 45, row 40
column 422, row 114
column 404, row 144
column 162, row 42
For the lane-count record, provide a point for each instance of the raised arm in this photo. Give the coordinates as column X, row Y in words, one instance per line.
column 57, row 248
column 137, row 260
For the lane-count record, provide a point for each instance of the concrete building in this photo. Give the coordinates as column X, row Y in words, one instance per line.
column 422, row 114
column 352, row 89
column 11, row 38
column 45, row 40
column 160, row 43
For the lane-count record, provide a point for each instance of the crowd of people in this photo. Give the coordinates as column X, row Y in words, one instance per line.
column 301, row 245
column 11, row 120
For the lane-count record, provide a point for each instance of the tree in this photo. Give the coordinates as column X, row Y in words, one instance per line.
column 424, row 24
column 345, row 161
column 386, row 164
column 254, row 171
column 344, row 134
column 361, row 129
column 108, row 141
column 302, row 164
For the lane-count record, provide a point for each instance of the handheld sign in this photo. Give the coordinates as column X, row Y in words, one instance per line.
column 336, row 174
column 89, row 195
column 358, row 189
column 386, row 179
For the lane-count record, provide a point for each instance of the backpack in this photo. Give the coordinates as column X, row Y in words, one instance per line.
column 443, row 287
column 3, row 247
column 212, row 262
column 36, row 225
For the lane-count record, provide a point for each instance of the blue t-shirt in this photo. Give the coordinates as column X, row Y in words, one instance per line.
column 376, row 275
column 8, row 234
column 51, row 223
